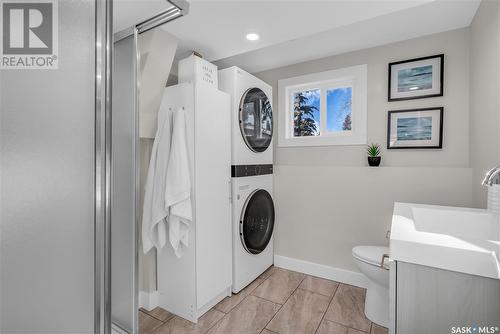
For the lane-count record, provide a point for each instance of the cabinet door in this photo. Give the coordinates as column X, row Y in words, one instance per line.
column 213, row 207
column 431, row 300
column 177, row 293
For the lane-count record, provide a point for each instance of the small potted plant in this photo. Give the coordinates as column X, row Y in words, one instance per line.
column 374, row 158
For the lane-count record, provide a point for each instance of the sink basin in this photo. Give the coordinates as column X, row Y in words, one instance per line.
column 459, row 239
column 458, row 222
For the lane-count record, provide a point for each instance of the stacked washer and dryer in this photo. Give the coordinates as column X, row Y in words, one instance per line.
column 251, row 171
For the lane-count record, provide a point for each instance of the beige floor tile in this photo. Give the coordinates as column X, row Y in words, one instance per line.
column 160, row 314
column 267, row 331
column 147, row 324
column 347, row 308
column 229, row 303
column 266, row 274
column 376, row 329
column 279, row 286
column 302, row 313
column 178, row 325
column 319, row 285
column 249, row 317
column 328, row 327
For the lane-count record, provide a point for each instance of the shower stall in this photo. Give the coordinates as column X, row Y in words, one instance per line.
column 69, row 184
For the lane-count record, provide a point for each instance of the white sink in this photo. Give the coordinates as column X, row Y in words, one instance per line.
column 459, row 239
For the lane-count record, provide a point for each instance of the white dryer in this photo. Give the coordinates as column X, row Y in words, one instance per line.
column 251, row 115
column 253, row 223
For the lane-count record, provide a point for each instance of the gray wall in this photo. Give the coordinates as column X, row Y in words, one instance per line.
column 485, row 95
column 328, row 201
column 47, row 192
column 455, row 46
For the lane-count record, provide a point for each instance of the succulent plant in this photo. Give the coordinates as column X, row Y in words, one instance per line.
column 373, row 150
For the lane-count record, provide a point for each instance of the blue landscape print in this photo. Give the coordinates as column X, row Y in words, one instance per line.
column 414, row 79
column 339, row 109
column 414, row 128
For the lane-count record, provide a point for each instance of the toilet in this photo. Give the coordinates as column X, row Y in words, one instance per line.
column 369, row 259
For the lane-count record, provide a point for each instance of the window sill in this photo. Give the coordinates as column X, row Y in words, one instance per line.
column 340, row 140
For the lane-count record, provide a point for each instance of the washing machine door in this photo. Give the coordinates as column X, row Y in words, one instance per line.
column 256, row 119
column 257, row 221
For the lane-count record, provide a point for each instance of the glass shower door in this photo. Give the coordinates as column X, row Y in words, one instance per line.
column 49, row 179
column 124, row 195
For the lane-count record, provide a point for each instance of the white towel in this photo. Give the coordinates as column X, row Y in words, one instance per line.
column 178, row 187
column 154, row 232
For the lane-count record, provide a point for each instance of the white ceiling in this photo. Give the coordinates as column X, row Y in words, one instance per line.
column 293, row 31
column 418, row 21
column 217, row 29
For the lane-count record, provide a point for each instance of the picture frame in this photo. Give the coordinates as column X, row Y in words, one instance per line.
column 416, row 78
column 415, row 128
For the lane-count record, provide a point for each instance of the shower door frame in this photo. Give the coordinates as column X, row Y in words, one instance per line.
column 102, row 181
column 179, row 8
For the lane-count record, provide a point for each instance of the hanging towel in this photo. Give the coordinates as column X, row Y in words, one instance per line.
column 154, row 229
column 178, row 188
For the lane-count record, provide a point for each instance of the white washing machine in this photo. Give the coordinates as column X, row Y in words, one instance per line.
column 251, row 116
column 253, row 223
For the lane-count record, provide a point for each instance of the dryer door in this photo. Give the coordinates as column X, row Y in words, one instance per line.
column 257, row 221
column 256, row 119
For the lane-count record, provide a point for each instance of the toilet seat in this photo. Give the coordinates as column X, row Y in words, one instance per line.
column 370, row 254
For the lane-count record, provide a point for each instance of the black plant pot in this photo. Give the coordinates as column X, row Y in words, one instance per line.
column 374, row 161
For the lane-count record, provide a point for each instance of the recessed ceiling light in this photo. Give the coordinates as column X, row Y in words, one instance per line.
column 252, row 37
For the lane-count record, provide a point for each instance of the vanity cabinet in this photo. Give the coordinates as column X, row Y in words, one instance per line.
column 434, row 301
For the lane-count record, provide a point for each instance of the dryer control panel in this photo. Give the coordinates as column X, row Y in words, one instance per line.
column 251, row 170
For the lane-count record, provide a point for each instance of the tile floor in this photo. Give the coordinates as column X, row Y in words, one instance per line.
column 278, row 302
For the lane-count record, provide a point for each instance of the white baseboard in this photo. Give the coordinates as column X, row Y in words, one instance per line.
column 148, row 300
column 321, row 270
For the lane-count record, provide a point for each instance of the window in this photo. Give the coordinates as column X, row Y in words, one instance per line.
column 327, row 108
column 339, row 109
column 306, row 117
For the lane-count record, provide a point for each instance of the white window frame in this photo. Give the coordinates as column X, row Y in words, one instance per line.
column 355, row 77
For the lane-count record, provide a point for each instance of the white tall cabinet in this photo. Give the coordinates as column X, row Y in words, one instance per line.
column 191, row 285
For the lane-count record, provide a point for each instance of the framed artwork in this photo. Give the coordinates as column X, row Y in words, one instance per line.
column 416, row 78
column 415, row 128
